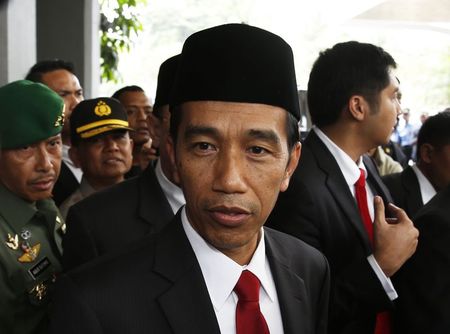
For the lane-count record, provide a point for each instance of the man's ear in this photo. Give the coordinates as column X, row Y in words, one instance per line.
column 358, row 107
column 425, row 152
column 171, row 151
column 291, row 166
column 75, row 156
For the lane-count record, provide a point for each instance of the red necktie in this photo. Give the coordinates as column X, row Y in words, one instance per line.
column 383, row 322
column 249, row 319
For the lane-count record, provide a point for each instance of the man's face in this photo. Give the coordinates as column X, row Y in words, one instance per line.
column 381, row 122
column 440, row 166
column 66, row 85
column 31, row 172
column 232, row 160
column 159, row 126
column 138, row 108
column 104, row 159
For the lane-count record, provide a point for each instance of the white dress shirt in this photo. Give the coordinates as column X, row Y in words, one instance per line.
column 173, row 193
column 426, row 188
column 221, row 275
column 351, row 173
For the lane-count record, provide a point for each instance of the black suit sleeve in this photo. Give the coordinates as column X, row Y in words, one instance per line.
column 75, row 317
column 78, row 244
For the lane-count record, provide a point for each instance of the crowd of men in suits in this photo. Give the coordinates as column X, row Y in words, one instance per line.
column 205, row 214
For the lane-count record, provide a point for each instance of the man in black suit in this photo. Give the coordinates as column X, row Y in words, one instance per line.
column 109, row 220
column 234, row 142
column 417, row 184
column 353, row 105
column 59, row 75
column 423, row 285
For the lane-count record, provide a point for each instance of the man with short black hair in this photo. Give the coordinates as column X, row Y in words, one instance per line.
column 60, row 76
column 417, row 184
column 139, row 108
column 352, row 98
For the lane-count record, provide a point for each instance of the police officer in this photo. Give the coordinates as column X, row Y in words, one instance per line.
column 31, row 120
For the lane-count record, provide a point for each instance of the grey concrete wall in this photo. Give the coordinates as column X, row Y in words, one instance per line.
column 17, row 39
column 68, row 29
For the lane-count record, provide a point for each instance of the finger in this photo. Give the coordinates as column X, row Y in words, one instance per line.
column 378, row 210
column 399, row 213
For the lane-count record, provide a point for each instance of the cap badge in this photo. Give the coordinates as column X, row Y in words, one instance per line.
column 60, row 119
column 102, row 109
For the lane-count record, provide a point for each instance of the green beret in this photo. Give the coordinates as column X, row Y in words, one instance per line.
column 29, row 112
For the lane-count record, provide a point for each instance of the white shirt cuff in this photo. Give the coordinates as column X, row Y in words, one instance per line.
column 385, row 281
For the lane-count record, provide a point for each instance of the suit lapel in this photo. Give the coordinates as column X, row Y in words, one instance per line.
column 186, row 303
column 154, row 208
column 414, row 200
column 335, row 182
column 290, row 290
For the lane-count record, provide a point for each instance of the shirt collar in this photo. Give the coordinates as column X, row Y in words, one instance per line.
column 173, row 193
column 77, row 172
column 220, row 272
column 426, row 188
column 348, row 167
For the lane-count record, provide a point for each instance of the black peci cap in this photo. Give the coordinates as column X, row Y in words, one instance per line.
column 166, row 78
column 237, row 63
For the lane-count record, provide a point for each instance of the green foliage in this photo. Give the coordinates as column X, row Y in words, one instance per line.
column 119, row 25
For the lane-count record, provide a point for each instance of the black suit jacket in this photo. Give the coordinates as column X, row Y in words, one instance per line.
column 319, row 208
column 158, row 287
column 423, row 283
column 405, row 190
column 110, row 219
column 65, row 185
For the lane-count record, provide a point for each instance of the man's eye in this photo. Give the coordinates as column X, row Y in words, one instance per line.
column 55, row 142
column 257, row 150
column 204, row 146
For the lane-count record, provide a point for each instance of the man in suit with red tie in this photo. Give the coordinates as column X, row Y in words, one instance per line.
column 215, row 269
column 335, row 199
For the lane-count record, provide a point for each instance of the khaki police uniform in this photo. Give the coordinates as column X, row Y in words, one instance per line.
column 30, row 233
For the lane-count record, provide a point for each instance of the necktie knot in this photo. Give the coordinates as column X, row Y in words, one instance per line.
column 247, row 287
column 362, row 179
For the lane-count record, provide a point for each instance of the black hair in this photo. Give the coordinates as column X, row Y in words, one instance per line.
column 344, row 70
column 132, row 88
column 435, row 131
column 45, row 66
